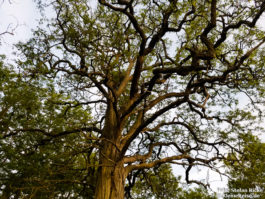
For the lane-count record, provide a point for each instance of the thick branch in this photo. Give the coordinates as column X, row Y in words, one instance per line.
column 209, row 27
column 126, row 79
column 156, row 162
column 54, row 135
column 143, row 158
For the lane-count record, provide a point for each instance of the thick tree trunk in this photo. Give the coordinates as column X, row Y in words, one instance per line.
column 111, row 174
column 111, row 178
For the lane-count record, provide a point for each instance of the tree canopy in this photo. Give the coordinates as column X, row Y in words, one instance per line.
column 106, row 89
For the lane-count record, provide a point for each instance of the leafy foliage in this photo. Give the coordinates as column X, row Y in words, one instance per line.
column 160, row 183
column 247, row 169
column 31, row 164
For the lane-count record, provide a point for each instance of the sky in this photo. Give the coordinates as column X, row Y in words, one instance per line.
column 20, row 16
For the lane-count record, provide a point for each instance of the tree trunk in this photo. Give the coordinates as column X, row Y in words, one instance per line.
column 111, row 177
column 111, row 174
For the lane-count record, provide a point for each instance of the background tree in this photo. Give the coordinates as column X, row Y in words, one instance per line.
column 247, row 170
column 161, row 183
column 160, row 78
column 33, row 165
column 157, row 182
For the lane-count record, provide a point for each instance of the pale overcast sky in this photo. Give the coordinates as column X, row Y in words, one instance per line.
column 18, row 14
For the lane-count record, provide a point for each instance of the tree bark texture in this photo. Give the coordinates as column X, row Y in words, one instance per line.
column 111, row 179
column 111, row 176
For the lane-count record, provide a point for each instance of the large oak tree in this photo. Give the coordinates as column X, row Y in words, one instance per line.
column 162, row 80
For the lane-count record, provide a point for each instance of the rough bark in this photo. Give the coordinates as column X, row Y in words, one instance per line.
column 112, row 175
column 111, row 178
